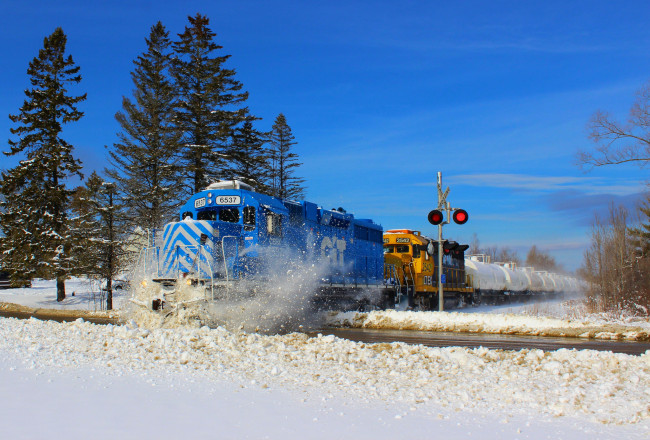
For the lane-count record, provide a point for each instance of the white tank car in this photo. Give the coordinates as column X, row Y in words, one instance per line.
column 560, row 283
column 535, row 281
column 549, row 281
column 485, row 276
column 516, row 279
column 505, row 279
column 574, row 285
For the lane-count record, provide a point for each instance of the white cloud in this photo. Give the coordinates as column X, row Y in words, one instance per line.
column 587, row 185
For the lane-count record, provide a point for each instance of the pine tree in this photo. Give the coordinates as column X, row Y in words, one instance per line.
column 641, row 234
column 209, row 103
column 249, row 158
column 101, row 223
column 34, row 214
column 145, row 158
column 284, row 162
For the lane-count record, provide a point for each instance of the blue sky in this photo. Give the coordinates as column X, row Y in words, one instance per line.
column 381, row 95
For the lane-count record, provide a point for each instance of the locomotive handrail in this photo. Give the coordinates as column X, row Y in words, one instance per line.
column 396, row 281
column 406, row 279
column 210, row 271
column 223, row 252
column 211, row 274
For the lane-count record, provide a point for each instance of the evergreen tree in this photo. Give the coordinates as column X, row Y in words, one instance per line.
column 101, row 223
column 284, row 162
column 249, row 158
column 34, row 218
column 641, row 234
column 145, row 158
column 209, row 105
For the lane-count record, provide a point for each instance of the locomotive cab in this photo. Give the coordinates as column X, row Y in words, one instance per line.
column 414, row 260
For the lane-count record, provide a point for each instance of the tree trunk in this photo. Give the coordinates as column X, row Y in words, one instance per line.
column 109, row 294
column 60, row 288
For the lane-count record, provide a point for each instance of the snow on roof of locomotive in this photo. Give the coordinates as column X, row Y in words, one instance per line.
column 230, row 184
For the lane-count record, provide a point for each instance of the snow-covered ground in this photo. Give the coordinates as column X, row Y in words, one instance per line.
column 81, row 294
column 79, row 380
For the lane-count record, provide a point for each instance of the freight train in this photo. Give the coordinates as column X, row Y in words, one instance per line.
column 411, row 267
column 231, row 238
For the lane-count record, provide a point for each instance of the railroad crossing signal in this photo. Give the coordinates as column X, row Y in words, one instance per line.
column 460, row 216
column 437, row 218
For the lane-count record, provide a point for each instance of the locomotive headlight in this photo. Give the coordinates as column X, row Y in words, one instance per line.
column 144, row 283
column 188, row 282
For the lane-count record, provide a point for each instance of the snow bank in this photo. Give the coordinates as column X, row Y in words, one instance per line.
column 638, row 330
column 603, row 387
column 284, row 308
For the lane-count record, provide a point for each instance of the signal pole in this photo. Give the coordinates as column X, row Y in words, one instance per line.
column 442, row 204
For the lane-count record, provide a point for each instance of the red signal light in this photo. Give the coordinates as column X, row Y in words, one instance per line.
column 435, row 217
column 460, row 216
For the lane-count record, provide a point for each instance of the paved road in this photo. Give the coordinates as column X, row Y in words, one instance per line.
column 472, row 340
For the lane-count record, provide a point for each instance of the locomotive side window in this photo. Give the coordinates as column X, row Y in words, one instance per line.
column 274, row 224
column 375, row 236
column 389, row 249
column 210, row 215
column 296, row 216
column 187, row 214
column 402, row 249
column 360, row 233
column 230, row 215
column 249, row 217
column 363, row 233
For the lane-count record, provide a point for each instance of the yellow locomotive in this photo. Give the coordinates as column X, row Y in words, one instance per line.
column 410, row 267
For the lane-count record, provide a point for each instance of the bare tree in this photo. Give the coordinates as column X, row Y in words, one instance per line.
column 474, row 245
column 617, row 264
column 490, row 251
column 507, row 255
column 617, row 142
column 618, row 278
column 495, row 253
column 541, row 260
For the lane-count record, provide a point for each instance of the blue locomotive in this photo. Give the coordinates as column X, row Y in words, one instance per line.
column 229, row 233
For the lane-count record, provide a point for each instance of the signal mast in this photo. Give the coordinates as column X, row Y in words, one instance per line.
column 436, row 217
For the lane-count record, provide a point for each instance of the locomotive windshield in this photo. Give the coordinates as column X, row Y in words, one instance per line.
column 397, row 249
column 229, row 215
column 210, row 214
column 403, row 249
